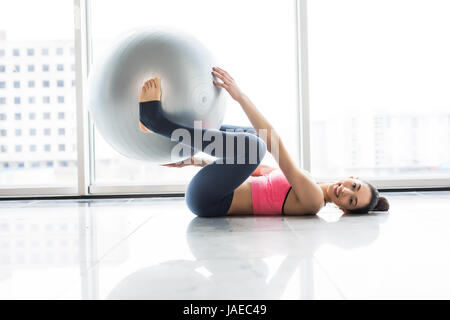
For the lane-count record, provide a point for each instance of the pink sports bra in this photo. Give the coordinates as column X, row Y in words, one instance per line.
column 269, row 192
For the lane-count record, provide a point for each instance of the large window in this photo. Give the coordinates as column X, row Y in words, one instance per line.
column 377, row 84
column 379, row 88
column 25, row 159
column 260, row 55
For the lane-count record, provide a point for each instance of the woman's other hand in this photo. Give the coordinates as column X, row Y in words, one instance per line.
column 228, row 83
column 192, row 161
column 180, row 164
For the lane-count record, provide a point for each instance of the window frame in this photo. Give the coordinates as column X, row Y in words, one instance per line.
column 85, row 126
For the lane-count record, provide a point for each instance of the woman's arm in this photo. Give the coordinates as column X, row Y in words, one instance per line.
column 259, row 122
column 304, row 187
column 302, row 183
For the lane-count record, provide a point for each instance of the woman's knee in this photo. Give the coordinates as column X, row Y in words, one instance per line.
column 201, row 209
column 194, row 200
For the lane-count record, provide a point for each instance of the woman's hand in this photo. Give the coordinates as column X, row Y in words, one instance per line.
column 180, row 164
column 192, row 161
column 228, row 83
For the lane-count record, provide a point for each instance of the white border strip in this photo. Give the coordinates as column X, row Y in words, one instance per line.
column 304, row 121
column 80, row 75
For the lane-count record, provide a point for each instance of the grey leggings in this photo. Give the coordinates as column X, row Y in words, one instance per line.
column 211, row 190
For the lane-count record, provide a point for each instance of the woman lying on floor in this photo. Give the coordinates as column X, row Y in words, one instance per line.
column 236, row 183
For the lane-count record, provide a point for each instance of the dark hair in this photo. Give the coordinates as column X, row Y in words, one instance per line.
column 376, row 203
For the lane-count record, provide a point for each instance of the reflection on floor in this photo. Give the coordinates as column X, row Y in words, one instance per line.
column 156, row 249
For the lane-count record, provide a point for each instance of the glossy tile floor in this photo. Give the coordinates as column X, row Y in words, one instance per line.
column 156, row 249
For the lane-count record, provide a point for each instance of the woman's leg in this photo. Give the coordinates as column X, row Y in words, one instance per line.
column 211, row 190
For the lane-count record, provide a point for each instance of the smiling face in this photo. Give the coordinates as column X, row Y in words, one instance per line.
column 349, row 194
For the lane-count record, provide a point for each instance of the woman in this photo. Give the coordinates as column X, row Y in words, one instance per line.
column 233, row 184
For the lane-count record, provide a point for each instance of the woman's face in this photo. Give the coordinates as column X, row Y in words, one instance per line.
column 349, row 194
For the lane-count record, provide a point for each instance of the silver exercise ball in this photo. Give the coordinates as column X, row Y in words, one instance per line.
column 115, row 80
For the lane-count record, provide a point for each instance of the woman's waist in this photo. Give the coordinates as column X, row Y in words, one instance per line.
column 242, row 198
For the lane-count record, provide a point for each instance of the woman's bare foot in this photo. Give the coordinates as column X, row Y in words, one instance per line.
column 151, row 90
